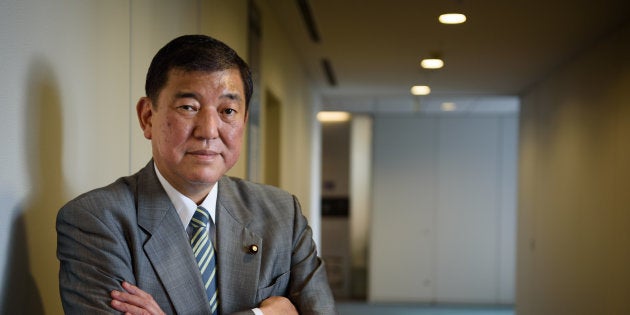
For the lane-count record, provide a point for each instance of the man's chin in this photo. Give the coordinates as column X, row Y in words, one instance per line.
column 204, row 179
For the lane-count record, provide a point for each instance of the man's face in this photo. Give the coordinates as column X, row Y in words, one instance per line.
column 196, row 128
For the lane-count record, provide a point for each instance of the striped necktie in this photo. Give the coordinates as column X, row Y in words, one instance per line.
column 204, row 253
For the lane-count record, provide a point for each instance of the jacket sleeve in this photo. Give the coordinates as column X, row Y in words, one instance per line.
column 308, row 286
column 93, row 261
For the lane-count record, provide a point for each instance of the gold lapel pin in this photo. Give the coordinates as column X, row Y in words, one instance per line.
column 253, row 249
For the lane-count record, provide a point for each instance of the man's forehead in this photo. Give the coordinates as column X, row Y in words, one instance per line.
column 195, row 72
column 183, row 89
column 182, row 73
column 191, row 74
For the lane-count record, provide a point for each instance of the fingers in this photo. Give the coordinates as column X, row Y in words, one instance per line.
column 128, row 308
column 135, row 290
column 134, row 301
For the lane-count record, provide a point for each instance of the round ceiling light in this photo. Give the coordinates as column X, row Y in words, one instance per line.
column 420, row 90
column 448, row 106
column 326, row 116
column 432, row 63
column 452, row 18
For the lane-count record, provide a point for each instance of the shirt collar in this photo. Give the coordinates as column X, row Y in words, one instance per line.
column 184, row 206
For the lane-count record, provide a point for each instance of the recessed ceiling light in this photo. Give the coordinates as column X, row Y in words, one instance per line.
column 448, row 106
column 452, row 18
column 333, row 116
column 432, row 63
column 420, row 90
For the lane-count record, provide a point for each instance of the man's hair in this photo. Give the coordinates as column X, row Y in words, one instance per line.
column 195, row 53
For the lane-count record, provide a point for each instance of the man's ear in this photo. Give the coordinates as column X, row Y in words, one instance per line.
column 144, row 108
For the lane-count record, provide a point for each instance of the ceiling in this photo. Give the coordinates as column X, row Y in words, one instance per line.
column 375, row 47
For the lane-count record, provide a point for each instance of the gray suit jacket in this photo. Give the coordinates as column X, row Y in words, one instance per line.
column 130, row 231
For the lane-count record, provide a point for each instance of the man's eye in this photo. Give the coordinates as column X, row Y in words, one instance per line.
column 187, row 107
column 229, row 111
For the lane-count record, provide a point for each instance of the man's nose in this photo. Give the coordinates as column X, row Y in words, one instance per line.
column 207, row 124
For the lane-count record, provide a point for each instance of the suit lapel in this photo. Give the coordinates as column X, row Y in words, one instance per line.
column 168, row 247
column 238, row 268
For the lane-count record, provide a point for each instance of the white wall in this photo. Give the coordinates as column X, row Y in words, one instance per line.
column 335, row 180
column 284, row 76
column 360, row 201
column 72, row 71
column 443, row 208
column 151, row 25
column 573, row 215
column 65, row 128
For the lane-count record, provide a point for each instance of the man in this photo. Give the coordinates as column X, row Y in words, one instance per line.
column 128, row 246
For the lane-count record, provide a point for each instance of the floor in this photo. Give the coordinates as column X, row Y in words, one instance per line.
column 361, row 308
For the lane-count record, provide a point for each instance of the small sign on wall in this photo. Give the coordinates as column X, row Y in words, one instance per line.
column 335, row 206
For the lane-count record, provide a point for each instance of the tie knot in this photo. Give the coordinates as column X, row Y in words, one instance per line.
column 200, row 218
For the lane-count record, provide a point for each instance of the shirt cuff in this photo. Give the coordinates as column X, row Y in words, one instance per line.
column 257, row 311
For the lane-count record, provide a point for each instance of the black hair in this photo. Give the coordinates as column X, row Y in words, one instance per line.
column 195, row 53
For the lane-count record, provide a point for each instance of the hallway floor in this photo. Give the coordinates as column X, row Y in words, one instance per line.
column 362, row 308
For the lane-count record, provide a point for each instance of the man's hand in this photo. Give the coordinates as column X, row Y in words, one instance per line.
column 278, row 305
column 134, row 301
column 137, row 302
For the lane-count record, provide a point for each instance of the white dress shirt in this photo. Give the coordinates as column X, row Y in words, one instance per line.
column 186, row 207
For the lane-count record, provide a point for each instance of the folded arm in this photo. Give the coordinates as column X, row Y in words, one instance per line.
column 309, row 289
column 93, row 261
column 132, row 300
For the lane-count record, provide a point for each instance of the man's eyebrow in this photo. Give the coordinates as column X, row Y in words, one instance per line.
column 232, row 96
column 186, row 95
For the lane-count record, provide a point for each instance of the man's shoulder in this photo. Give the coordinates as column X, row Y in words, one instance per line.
column 264, row 206
column 260, row 199
column 119, row 194
column 239, row 186
column 115, row 192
